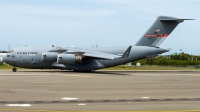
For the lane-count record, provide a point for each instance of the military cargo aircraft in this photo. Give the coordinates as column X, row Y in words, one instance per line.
column 90, row 59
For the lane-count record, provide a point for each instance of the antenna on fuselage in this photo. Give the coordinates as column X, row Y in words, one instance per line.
column 8, row 47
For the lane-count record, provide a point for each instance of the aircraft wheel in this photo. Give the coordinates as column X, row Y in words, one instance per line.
column 14, row 69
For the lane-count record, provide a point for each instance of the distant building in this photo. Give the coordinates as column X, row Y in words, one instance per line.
column 138, row 64
column 1, row 56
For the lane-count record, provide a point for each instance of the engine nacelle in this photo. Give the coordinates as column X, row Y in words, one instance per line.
column 68, row 59
column 49, row 56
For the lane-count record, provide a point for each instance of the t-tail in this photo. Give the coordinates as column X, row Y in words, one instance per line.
column 159, row 31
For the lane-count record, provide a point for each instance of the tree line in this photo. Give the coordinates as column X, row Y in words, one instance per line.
column 182, row 59
column 3, row 52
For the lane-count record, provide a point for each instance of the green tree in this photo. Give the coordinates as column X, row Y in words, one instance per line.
column 3, row 52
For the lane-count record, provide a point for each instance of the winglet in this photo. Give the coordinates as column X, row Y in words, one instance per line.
column 127, row 52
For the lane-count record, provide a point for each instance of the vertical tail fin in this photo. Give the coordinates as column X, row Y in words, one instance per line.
column 159, row 31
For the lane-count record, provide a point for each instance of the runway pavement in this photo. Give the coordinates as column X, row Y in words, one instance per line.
column 100, row 90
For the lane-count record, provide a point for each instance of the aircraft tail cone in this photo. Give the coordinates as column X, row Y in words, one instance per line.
column 162, row 50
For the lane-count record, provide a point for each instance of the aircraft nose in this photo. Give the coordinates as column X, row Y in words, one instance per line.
column 4, row 58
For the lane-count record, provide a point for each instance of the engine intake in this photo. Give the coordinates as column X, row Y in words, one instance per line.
column 49, row 56
column 68, row 59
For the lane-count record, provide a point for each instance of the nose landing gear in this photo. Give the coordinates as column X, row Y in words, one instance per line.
column 14, row 69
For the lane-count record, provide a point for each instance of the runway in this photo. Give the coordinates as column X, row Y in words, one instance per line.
column 100, row 90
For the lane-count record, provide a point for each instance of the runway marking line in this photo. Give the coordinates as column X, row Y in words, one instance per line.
column 197, row 75
column 75, row 100
column 145, row 97
column 42, row 110
column 85, row 76
column 81, row 104
column 19, row 105
column 69, row 98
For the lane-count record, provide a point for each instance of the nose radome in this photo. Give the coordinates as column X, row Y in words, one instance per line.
column 4, row 58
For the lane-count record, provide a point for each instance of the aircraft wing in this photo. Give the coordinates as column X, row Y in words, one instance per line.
column 102, row 55
column 93, row 54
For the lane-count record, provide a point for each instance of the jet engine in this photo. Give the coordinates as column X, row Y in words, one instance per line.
column 49, row 56
column 68, row 59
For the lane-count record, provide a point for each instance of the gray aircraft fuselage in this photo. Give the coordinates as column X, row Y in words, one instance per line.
column 94, row 58
column 31, row 57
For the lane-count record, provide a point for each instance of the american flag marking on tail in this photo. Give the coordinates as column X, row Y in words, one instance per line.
column 157, row 35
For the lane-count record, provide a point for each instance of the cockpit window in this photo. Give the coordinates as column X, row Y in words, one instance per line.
column 13, row 52
column 8, row 56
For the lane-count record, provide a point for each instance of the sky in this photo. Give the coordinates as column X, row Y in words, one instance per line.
column 86, row 23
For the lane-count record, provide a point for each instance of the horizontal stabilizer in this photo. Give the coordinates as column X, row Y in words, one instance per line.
column 177, row 20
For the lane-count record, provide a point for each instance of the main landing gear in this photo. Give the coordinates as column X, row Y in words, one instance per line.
column 14, row 69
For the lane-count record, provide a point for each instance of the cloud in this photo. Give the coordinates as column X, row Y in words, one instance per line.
column 53, row 11
column 115, row 1
column 155, row 7
column 144, row 2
